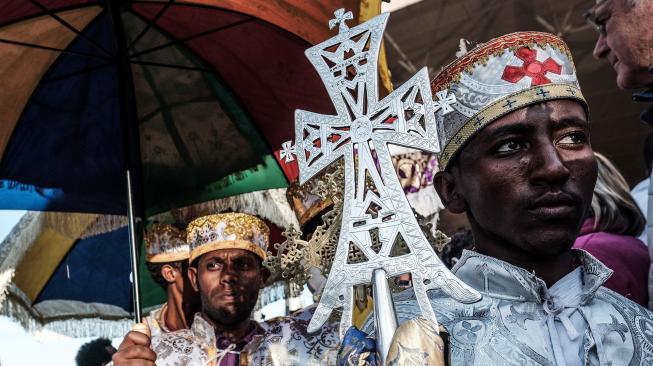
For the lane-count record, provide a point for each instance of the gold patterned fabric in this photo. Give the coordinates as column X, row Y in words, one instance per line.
column 498, row 77
column 417, row 343
column 227, row 231
column 156, row 321
column 165, row 243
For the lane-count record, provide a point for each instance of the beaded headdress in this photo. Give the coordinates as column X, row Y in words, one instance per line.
column 165, row 243
column 499, row 77
column 227, row 231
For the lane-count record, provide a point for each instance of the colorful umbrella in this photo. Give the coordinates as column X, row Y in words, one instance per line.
column 185, row 100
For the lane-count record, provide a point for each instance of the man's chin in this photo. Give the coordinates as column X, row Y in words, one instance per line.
column 227, row 315
column 629, row 80
column 549, row 244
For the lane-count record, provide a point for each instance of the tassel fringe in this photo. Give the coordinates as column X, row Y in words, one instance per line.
column 92, row 320
column 270, row 204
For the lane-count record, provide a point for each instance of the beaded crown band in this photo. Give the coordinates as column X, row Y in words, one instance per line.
column 227, row 231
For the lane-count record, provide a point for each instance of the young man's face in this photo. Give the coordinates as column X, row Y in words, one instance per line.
column 625, row 39
column 526, row 180
column 228, row 281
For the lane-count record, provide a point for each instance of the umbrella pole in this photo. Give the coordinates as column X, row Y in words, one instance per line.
column 133, row 252
column 123, row 70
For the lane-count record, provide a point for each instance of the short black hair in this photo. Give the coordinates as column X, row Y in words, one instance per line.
column 155, row 271
column 94, row 353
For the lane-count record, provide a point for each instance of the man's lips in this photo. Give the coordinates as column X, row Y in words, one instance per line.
column 553, row 204
column 226, row 296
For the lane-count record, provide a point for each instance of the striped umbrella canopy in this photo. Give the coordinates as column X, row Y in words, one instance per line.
column 192, row 97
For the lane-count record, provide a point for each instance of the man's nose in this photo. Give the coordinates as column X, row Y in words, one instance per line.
column 548, row 167
column 601, row 48
column 229, row 274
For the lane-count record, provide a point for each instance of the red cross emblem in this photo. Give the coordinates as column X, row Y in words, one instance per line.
column 532, row 68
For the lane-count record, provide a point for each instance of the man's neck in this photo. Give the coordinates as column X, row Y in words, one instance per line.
column 174, row 317
column 549, row 269
column 233, row 332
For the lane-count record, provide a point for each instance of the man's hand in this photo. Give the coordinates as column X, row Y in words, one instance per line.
column 134, row 351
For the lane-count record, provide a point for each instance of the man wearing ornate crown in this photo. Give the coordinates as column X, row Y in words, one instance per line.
column 517, row 159
column 167, row 260
column 226, row 255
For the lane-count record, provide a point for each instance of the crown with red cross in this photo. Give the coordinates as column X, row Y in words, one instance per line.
column 500, row 76
column 532, row 68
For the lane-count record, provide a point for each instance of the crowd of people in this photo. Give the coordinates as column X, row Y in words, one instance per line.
column 554, row 243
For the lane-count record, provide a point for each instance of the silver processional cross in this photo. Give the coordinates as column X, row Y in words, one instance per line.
column 359, row 134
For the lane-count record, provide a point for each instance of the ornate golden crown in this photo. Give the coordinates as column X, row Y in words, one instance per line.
column 225, row 231
column 165, row 243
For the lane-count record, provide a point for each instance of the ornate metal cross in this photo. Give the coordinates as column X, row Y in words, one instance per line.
column 359, row 133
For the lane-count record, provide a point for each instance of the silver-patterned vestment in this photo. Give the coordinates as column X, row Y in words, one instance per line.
column 509, row 325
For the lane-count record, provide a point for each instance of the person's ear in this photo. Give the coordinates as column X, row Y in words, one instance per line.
column 169, row 273
column 192, row 276
column 449, row 191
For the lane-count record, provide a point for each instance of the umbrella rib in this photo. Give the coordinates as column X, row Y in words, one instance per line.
column 191, row 37
column 150, row 23
column 25, row 44
column 69, row 26
column 180, row 67
column 79, row 72
column 154, row 112
column 168, row 120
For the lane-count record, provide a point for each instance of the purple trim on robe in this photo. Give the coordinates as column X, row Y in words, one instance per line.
column 233, row 359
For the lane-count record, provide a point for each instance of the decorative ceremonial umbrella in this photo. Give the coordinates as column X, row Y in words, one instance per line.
column 113, row 110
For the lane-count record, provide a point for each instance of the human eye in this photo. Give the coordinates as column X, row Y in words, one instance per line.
column 573, row 138
column 509, row 146
column 598, row 18
column 601, row 24
column 213, row 265
column 243, row 265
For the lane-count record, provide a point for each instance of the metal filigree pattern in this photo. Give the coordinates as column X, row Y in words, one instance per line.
column 359, row 134
column 295, row 256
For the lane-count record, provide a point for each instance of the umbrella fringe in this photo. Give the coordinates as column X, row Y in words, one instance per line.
column 15, row 305
column 269, row 204
column 5, row 279
column 32, row 224
column 104, row 224
column 81, row 225
column 19, row 240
